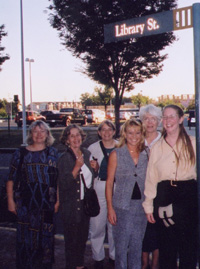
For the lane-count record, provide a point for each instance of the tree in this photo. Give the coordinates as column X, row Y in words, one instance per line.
column 105, row 95
column 166, row 102
column 80, row 24
column 86, row 99
column 191, row 105
column 3, row 57
column 140, row 100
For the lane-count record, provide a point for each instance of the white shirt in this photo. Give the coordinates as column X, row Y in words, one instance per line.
column 88, row 179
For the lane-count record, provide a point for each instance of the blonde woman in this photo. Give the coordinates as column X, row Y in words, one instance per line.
column 127, row 166
column 33, row 176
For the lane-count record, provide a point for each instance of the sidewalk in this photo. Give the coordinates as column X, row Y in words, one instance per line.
column 7, row 251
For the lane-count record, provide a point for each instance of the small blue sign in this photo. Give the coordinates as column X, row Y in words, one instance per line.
column 154, row 24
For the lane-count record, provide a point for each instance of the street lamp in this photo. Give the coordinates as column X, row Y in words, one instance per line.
column 30, row 61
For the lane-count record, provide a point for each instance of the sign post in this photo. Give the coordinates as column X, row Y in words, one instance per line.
column 196, row 36
column 9, row 112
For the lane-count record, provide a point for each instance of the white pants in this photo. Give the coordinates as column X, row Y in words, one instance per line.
column 98, row 226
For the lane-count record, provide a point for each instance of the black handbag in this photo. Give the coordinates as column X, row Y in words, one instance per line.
column 90, row 201
column 172, row 204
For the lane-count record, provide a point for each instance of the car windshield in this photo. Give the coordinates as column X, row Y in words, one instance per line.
column 88, row 112
column 66, row 110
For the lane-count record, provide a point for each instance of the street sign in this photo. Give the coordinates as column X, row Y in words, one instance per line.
column 8, row 108
column 153, row 24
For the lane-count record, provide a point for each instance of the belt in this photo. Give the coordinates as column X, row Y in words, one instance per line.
column 101, row 179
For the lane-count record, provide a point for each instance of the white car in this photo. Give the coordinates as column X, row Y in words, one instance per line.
column 94, row 115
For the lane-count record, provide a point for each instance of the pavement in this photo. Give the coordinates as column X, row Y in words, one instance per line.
column 7, row 250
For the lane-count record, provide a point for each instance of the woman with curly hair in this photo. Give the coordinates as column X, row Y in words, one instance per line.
column 74, row 164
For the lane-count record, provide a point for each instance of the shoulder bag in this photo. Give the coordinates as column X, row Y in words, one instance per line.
column 91, row 203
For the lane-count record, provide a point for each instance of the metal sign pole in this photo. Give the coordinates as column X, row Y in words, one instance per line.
column 196, row 31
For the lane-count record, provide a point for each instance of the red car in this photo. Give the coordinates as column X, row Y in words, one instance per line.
column 31, row 116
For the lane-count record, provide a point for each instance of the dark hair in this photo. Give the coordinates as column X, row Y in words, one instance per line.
column 186, row 150
column 108, row 123
column 66, row 133
column 131, row 123
column 49, row 140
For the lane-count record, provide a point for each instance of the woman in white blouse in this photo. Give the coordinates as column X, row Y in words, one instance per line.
column 171, row 180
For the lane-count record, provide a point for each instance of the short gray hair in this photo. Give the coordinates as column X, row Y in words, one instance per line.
column 151, row 109
column 50, row 139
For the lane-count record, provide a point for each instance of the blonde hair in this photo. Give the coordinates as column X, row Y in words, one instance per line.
column 123, row 130
column 49, row 140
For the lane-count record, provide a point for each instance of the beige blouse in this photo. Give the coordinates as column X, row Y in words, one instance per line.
column 163, row 166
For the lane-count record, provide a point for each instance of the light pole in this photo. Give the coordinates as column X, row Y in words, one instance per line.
column 31, row 102
column 23, row 82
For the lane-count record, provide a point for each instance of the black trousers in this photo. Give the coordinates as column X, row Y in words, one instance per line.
column 179, row 239
column 76, row 236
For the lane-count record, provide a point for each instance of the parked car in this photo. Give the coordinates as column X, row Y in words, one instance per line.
column 94, row 115
column 65, row 116
column 124, row 115
column 48, row 112
column 191, row 118
column 110, row 115
column 31, row 116
column 55, row 117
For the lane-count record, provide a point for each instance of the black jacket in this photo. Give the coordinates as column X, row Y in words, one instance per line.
column 69, row 188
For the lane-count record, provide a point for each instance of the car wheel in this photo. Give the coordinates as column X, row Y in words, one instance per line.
column 67, row 122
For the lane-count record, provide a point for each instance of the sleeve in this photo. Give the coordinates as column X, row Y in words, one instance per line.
column 66, row 180
column 92, row 150
column 12, row 174
column 151, row 182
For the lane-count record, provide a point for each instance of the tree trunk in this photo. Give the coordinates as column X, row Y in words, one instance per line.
column 117, row 119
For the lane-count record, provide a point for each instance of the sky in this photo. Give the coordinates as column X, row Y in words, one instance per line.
column 54, row 72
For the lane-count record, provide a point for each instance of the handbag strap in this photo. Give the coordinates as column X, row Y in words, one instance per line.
column 103, row 150
column 83, row 179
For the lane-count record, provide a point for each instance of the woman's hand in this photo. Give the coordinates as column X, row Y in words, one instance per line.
column 12, row 206
column 94, row 164
column 112, row 218
column 150, row 218
column 79, row 161
column 56, row 206
column 11, row 202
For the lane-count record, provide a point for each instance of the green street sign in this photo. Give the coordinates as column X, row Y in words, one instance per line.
column 153, row 24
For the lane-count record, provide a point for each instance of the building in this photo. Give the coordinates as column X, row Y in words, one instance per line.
column 39, row 106
column 184, row 99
